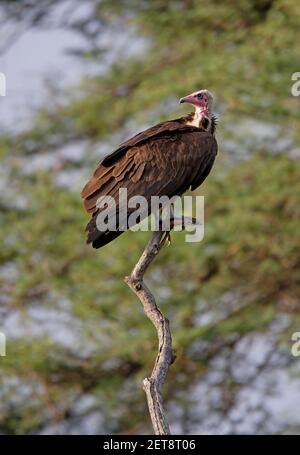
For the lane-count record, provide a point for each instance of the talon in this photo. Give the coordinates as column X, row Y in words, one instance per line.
column 166, row 239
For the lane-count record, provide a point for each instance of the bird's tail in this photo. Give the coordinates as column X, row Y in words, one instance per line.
column 99, row 238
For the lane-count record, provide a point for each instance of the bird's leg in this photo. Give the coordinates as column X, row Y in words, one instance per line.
column 166, row 239
column 182, row 221
column 159, row 224
column 158, row 220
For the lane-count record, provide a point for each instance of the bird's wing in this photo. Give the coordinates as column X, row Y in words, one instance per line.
column 164, row 164
column 161, row 129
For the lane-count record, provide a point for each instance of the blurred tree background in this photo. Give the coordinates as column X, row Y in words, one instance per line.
column 78, row 344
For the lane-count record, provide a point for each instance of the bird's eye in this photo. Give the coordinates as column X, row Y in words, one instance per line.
column 199, row 96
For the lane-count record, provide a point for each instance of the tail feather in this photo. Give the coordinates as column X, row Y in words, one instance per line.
column 99, row 238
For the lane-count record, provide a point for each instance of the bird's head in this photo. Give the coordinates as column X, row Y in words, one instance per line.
column 202, row 100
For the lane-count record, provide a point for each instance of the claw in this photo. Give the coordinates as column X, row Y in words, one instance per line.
column 166, row 239
column 176, row 221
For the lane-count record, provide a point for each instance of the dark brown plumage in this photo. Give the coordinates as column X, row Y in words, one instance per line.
column 167, row 159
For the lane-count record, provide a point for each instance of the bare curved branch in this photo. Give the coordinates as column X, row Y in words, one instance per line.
column 165, row 357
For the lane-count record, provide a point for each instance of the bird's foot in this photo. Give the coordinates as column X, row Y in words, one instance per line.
column 183, row 222
column 166, row 239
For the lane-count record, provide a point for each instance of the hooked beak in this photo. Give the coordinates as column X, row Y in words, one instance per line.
column 187, row 99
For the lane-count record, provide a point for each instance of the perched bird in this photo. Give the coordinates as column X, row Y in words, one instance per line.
column 166, row 159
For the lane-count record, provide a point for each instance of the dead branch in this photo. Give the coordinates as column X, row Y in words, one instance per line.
column 165, row 357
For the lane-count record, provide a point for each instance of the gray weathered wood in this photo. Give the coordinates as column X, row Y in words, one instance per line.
column 165, row 357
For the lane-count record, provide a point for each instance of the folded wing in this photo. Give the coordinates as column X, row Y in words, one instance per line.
column 166, row 160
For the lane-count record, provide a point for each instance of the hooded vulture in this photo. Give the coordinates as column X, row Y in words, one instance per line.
column 164, row 160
